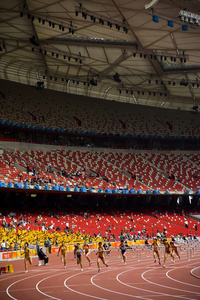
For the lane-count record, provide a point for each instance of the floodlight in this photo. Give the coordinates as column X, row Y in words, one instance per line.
column 170, row 23
column 155, row 19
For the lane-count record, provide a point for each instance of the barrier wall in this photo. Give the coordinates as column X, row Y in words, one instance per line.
column 7, row 255
column 12, row 255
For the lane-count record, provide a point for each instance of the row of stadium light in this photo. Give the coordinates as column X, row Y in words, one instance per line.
column 51, row 23
column 57, row 55
column 80, row 10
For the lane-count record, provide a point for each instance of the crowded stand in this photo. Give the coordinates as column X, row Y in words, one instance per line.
column 16, row 228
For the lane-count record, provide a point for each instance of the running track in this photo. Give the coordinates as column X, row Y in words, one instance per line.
column 142, row 279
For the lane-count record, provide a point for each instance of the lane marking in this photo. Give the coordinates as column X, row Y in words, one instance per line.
column 119, row 293
column 168, row 287
column 191, row 272
column 7, row 290
column 182, row 281
column 87, row 295
column 149, row 291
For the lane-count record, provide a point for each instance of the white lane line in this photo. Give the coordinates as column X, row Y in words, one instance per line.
column 191, row 272
column 83, row 294
column 145, row 290
column 45, row 294
column 67, row 286
column 112, row 291
column 189, row 284
column 7, row 290
column 38, row 269
column 168, row 287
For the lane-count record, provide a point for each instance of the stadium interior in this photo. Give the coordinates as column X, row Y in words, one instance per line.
column 99, row 120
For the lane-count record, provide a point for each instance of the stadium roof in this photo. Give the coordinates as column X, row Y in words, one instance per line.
column 116, row 50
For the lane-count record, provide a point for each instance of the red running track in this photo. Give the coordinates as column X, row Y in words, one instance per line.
column 142, row 279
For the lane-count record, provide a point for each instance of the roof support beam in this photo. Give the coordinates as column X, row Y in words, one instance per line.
column 90, row 41
column 116, row 63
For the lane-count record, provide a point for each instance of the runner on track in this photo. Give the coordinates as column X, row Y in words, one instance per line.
column 100, row 253
column 79, row 256
column 122, row 247
column 87, row 252
column 27, row 256
column 63, row 250
column 175, row 249
column 168, row 251
column 155, row 248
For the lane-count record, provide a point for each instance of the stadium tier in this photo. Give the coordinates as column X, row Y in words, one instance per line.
column 145, row 171
column 112, row 225
column 22, row 105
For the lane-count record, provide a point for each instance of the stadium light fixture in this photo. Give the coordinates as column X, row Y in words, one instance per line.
column 155, row 19
column 170, row 23
column 184, row 27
